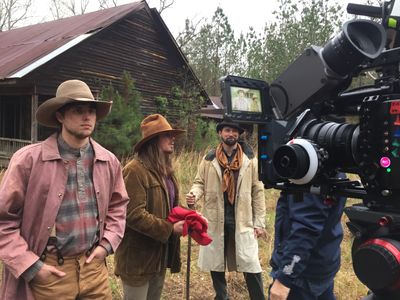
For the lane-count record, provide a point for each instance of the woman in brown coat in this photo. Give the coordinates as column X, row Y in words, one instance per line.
column 150, row 244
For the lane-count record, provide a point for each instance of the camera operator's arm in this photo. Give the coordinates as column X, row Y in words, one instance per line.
column 297, row 237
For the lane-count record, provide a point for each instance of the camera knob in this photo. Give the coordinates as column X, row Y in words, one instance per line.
column 385, row 221
column 376, row 263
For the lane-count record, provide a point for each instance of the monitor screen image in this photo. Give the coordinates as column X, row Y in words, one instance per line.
column 246, row 99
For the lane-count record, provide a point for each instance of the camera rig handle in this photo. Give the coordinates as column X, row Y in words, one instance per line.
column 366, row 10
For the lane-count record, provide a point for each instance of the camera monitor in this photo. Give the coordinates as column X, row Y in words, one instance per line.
column 245, row 99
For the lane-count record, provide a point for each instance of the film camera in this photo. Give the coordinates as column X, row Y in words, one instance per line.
column 312, row 125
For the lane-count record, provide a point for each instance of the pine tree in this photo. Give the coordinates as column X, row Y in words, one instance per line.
column 121, row 129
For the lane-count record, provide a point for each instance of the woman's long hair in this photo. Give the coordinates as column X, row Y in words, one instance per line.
column 152, row 156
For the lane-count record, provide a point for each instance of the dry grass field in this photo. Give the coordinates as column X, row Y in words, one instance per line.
column 347, row 286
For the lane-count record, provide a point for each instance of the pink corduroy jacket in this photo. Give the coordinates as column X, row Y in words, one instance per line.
column 30, row 196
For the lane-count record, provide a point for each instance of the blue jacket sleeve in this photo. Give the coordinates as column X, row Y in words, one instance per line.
column 307, row 222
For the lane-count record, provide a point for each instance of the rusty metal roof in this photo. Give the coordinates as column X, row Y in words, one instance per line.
column 23, row 49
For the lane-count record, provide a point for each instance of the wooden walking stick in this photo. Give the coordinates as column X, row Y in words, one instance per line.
column 189, row 250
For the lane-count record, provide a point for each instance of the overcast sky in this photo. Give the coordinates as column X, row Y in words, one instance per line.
column 241, row 14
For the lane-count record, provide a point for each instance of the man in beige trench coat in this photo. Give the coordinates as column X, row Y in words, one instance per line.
column 234, row 206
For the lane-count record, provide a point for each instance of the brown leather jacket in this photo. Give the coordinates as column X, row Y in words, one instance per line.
column 149, row 244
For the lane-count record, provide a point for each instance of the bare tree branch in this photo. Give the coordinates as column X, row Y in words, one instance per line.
column 70, row 6
column 13, row 12
column 84, row 5
column 190, row 32
column 103, row 4
column 56, row 9
column 63, row 8
column 164, row 4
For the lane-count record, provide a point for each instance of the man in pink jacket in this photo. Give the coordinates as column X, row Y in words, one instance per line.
column 62, row 205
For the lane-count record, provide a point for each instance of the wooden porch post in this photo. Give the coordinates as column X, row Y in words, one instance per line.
column 34, row 125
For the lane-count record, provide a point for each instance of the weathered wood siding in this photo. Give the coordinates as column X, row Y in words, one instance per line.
column 135, row 44
column 138, row 43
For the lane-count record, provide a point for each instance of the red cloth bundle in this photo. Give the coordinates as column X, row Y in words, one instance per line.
column 194, row 224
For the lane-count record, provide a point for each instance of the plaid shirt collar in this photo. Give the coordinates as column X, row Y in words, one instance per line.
column 68, row 152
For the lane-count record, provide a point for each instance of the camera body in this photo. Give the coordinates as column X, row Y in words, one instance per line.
column 309, row 150
column 312, row 126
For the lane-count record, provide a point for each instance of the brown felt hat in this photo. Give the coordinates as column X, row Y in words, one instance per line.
column 70, row 91
column 152, row 126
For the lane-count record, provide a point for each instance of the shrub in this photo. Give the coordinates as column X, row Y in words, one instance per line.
column 120, row 130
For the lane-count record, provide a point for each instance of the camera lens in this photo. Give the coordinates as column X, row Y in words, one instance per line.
column 322, row 146
column 291, row 161
column 296, row 161
column 336, row 138
column 359, row 39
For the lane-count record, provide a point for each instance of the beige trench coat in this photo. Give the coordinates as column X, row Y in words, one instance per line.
column 249, row 214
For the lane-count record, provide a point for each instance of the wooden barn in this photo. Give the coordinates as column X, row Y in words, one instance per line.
column 97, row 48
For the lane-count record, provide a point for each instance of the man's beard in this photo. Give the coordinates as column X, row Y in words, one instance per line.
column 231, row 141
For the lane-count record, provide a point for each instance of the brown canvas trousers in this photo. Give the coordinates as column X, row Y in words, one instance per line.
column 82, row 281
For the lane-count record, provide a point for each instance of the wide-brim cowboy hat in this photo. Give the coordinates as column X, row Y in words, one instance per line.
column 70, row 91
column 152, row 126
column 228, row 123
